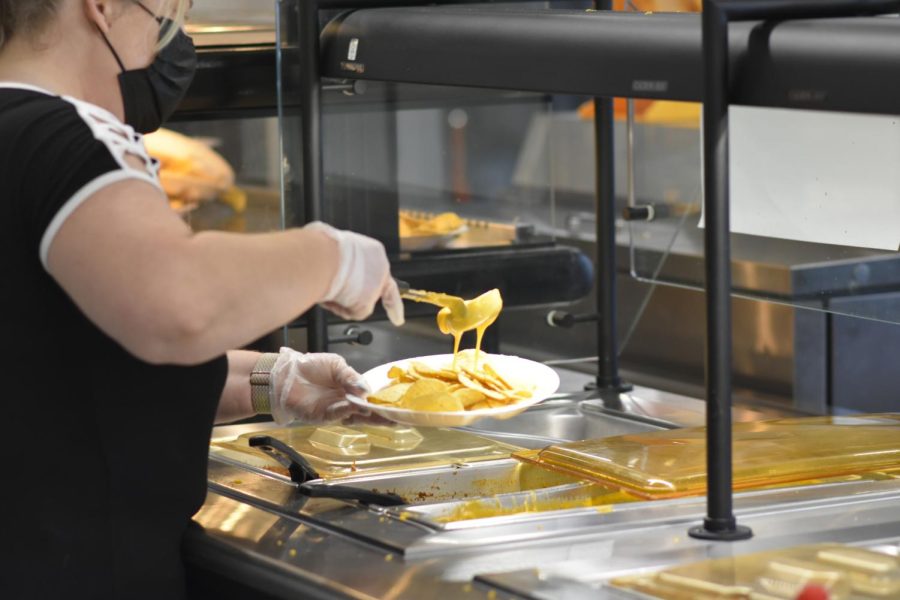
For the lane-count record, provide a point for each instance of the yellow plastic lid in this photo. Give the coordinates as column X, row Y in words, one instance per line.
column 672, row 464
column 340, row 451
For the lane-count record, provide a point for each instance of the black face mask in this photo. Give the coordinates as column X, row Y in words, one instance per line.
column 152, row 94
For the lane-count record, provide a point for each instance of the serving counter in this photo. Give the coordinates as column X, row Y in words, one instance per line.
column 494, row 529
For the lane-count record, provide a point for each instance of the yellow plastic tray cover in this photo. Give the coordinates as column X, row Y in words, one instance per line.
column 672, row 464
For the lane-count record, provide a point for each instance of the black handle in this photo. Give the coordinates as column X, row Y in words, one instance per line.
column 566, row 320
column 643, row 212
column 355, row 336
column 344, row 492
column 299, row 468
column 649, row 212
column 302, row 473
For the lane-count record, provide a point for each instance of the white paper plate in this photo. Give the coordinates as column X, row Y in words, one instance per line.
column 520, row 370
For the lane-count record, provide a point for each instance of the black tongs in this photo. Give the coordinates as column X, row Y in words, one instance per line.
column 302, row 473
column 409, row 293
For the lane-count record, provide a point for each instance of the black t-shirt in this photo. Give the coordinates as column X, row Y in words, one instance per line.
column 103, row 455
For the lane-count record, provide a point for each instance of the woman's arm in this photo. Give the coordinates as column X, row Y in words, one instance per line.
column 235, row 402
column 169, row 295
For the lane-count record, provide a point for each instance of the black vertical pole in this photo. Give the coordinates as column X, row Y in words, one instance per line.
column 720, row 522
column 313, row 173
column 609, row 384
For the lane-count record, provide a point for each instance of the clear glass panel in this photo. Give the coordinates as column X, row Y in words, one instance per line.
column 815, row 199
column 225, row 175
column 437, row 173
column 460, row 169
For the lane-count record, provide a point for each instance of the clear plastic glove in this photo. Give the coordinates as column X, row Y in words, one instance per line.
column 363, row 277
column 313, row 388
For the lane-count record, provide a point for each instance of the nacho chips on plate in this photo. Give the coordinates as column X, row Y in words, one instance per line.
column 470, row 387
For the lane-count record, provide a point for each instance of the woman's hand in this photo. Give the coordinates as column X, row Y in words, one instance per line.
column 313, row 388
column 363, row 277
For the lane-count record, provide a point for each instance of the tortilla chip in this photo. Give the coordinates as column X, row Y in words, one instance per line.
column 436, row 402
column 400, row 375
column 475, row 385
column 468, row 396
column 493, row 374
column 424, row 371
column 424, row 387
column 485, row 380
column 391, row 394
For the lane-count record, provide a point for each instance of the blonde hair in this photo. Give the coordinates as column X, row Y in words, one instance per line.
column 176, row 10
column 26, row 17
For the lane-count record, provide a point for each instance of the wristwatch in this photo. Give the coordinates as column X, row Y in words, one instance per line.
column 260, row 384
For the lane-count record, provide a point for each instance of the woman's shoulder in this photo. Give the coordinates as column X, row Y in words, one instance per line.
column 35, row 118
column 26, row 106
column 22, row 106
column 40, row 119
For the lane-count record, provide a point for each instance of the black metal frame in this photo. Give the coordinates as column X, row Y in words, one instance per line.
column 720, row 523
column 599, row 55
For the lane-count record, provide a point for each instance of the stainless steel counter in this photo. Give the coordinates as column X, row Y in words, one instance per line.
column 261, row 533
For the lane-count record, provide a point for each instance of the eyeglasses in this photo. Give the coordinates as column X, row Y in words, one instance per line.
column 156, row 17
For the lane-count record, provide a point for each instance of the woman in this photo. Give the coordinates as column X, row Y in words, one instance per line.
column 118, row 320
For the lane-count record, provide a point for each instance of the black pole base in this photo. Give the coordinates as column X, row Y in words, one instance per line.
column 609, row 388
column 609, row 393
column 716, row 532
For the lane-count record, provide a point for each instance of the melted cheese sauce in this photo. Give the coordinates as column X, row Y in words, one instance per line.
column 458, row 316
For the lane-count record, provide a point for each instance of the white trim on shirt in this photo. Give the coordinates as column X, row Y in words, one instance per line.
column 78, row 199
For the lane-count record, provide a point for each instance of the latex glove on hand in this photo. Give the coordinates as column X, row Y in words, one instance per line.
column 363, row 277
column 313, row 388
